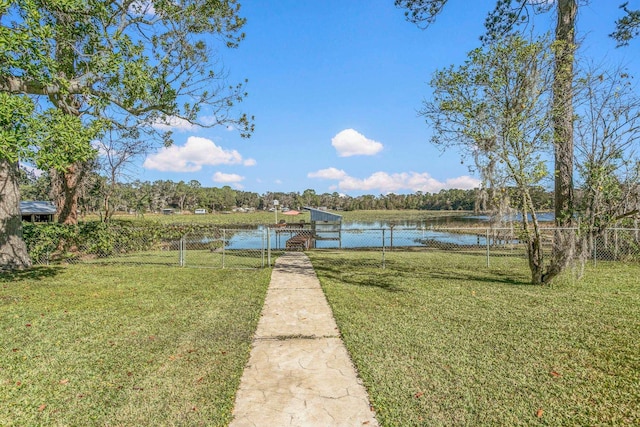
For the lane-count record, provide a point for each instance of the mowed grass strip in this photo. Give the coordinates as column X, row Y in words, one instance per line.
column 109, row 345
column 438, row 339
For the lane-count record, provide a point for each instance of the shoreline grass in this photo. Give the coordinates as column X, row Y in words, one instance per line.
column 231, row 219
column 437, row 342
column 114, row 345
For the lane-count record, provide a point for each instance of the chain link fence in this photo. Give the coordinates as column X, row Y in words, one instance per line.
column 258, row 247
column 376, row 247
column 203, row 248
column 225, row 248
column 478, row 247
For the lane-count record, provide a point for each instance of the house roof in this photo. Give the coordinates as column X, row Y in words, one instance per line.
column 320, row 215
column 37, row 207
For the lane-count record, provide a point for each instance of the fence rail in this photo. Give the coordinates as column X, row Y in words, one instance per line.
column 258, row 247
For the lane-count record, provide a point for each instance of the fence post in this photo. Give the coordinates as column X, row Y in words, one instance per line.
column 262, row 252
column 383, row 265
column 181, row 251
column 487, row 242
column 224, row 241
column 269, row 246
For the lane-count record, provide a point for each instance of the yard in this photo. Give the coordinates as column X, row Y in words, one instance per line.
column 437, row 337
column 120, row 345
column 438, row 341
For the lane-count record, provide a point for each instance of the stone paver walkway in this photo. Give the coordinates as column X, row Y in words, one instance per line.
column 299, row 372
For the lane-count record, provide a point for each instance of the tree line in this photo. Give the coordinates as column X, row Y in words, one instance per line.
column 151, row 197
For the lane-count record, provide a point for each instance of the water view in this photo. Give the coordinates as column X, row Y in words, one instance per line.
column 460, row 230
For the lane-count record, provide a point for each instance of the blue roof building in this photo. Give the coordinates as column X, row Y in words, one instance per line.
column 37, row 211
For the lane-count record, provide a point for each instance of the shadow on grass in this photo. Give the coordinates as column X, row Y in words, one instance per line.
column 356, row 277
column 286, row 263
column 487, row 277
column 388, row 278
column 34, row 273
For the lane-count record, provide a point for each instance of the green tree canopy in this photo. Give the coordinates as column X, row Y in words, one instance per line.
column 496, row 108
column 131, row 62
column 135, row 67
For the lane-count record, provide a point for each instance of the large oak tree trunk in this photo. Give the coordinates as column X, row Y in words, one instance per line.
column 66, row 185
column 13, row 250
column 564, row 242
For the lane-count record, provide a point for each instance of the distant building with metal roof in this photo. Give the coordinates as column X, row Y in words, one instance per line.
column 323, row 215
column 37, row 211
column 325, row 225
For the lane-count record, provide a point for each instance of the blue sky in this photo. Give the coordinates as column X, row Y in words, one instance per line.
column 335, row 86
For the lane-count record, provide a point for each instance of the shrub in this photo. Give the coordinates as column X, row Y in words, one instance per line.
column 53, row 242
column 49, row 242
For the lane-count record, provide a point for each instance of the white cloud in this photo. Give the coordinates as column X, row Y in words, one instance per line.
column 464, row 182
column 250, row 162
column 208, row 120
column 227, row 178
column 384, row 182
column 329, row 173
column 173, row 123
column 196, row 152
column 99, row 147
column 350, row 142
column 178, row 124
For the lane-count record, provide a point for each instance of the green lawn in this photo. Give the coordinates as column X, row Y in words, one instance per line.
column 113, row 345
column 438, row 339
column 441, row 340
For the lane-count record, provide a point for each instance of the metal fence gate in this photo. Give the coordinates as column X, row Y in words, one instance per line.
column 225, row 248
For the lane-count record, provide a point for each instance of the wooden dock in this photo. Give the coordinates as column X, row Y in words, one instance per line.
column 300, row 242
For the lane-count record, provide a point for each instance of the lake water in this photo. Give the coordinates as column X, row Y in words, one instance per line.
column 399, row 236
column 375, row 234
column 542, row 217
